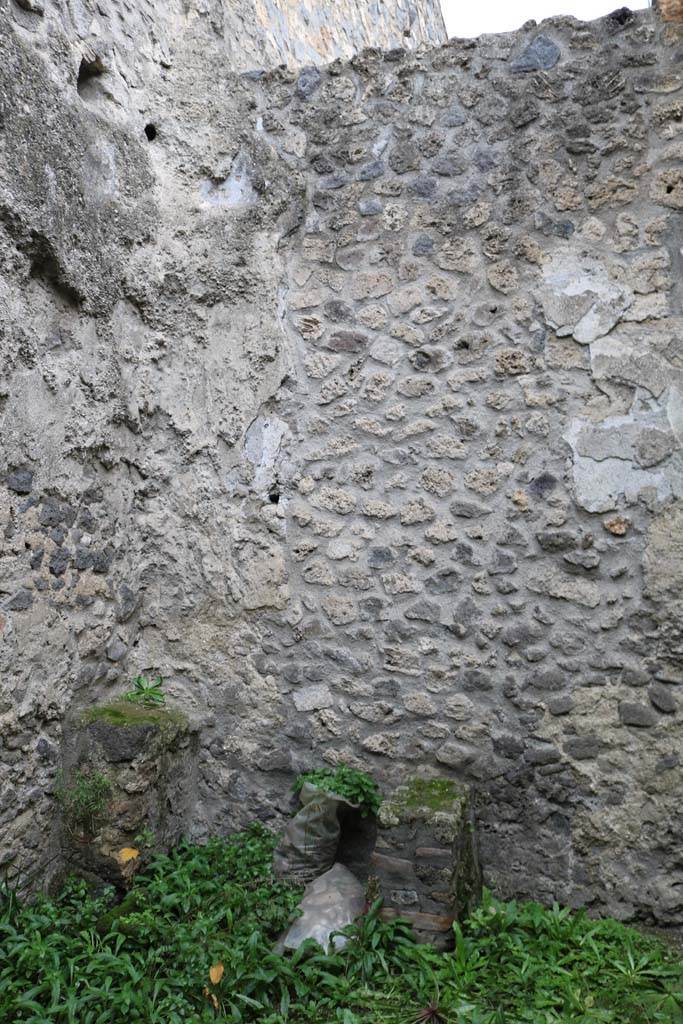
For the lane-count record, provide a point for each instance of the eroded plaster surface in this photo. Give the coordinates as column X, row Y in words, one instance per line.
column 348, row 400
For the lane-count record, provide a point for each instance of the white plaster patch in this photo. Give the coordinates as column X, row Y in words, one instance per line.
column 262, row 448
column 627, row 359
column 580, row 298
column 601, row 482
column 235, row 190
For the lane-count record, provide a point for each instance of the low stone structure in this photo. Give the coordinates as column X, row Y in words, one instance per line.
column 426, row 858
column 147, row 758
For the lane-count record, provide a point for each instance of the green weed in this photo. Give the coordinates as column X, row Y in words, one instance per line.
column 355, row 786
column 192, row 943
column 84, row 800
column 147, row 692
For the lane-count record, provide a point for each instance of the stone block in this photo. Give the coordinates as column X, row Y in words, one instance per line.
column 147, row 758
column 426, row 859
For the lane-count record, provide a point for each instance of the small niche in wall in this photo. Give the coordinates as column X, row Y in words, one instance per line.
column 150, row 132
column 90, row 70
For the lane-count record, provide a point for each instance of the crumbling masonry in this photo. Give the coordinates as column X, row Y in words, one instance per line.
column 348, row 400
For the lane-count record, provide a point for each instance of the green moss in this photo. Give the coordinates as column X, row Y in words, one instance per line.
column 433, row 794
column 123, row 713
column 439, row 803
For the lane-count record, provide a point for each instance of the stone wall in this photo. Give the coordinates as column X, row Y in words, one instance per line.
column 349, row 401
column 483, row 446
column 289, row 32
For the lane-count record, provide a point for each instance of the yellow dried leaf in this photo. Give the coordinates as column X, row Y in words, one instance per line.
column 216, row 973
column 126, row 854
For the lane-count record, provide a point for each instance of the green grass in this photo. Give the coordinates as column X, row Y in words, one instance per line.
column 84, row 800
column 77, row 960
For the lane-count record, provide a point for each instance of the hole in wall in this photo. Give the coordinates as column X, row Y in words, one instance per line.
column 91, row 68
column 151, row 132
column 274, row 497
column 46, row 269
column 357, row 839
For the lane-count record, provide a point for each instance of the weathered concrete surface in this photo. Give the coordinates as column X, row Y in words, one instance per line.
column 349, row 401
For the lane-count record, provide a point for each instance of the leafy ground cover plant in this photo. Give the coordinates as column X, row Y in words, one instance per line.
column 192, row 944
column 147, row 692
column 353, row 785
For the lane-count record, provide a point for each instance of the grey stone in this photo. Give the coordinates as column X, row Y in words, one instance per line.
column 404, row 158
column 46, row 751
column 542, row 754
column 312, row 698
column 476, row 679
column 662, row 698
column 540, row 55
column 20, row 601
column 639, row 715
column 469, row 509
column 543, row 485
column 548, row 679
column 54, row 512
column 102, row 560
column 380, row 557
column 116, row 649
column 423, row 186
column 59, row 562
column 454, row 117
column 425, row 611
column 82, row 558
column 633, row 676
column 119, row 743
column 503, row 562
column 20, row 481
column 548, row 226
column 346, row 341
column 445, row 581
column 449, row 166
column 562, row 705
column 581, row 560
column 584, row 748
column 369, row 207
column 308, row 82
column 423, row 245
column 556, row 540
column 371, row 171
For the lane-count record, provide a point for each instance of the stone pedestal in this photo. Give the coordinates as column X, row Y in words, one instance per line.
column 426, row 857
column 148, row 758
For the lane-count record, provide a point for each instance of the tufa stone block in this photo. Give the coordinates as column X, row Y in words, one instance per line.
column 426, row 859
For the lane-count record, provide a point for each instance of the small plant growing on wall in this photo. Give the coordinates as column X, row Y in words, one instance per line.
column 147, row 692
column 84, row 801
column 355, row 786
